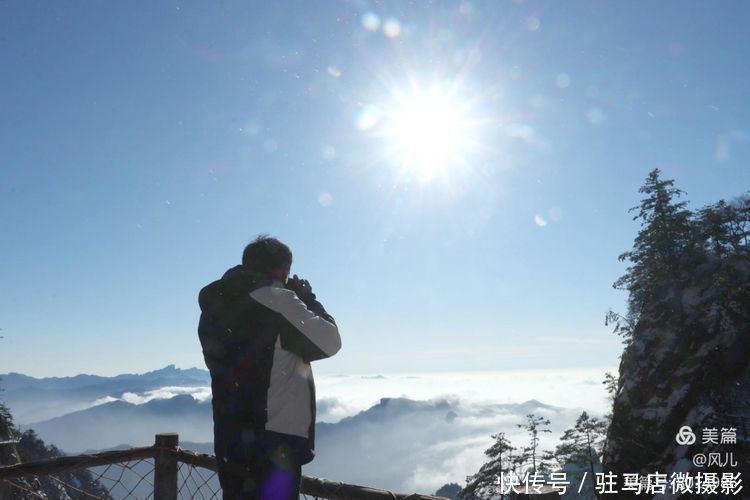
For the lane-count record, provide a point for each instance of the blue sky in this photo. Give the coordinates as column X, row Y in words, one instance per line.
column 141, row 147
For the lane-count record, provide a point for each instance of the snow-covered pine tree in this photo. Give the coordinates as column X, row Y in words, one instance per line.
column 582, row 445
column 531, row 459
column 662, row 250
column 485, row 483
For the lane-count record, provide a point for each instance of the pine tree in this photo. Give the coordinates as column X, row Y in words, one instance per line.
column 449, row 490
column 28, row 447
column 725, row 227
column 530, row 459
column 79, row 483
column 7, row 429
column 485, row 483
column 8, row 452
column 611, row 385
column 664, row 247
column 8, row 434
column 583, row 444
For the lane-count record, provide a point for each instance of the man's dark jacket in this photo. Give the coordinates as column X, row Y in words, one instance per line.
column 258, row 340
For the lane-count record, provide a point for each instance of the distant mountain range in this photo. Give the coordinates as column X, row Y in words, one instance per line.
column 400, row 444
column 35, row 399
column 406, row 445
column 109, row 424
column 169, row 375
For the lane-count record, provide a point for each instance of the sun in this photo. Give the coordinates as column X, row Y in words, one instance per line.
column 428, row 132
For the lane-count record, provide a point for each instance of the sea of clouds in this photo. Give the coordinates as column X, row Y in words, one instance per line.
column 413, row 432
column 342, row 396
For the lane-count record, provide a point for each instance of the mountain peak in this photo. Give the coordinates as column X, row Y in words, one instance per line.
column 168, row 368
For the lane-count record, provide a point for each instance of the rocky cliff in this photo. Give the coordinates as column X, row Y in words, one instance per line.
column 687, row 365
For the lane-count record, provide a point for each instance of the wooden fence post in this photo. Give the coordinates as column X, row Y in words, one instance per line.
column 165, row 467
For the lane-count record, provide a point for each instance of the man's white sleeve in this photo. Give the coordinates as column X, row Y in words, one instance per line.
column 315, row 337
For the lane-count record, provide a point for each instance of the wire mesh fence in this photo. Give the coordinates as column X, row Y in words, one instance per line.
column 198, row 483
column 131, row 480
column 159, row 472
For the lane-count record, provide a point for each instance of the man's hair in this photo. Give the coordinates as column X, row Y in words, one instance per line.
column 264, row 254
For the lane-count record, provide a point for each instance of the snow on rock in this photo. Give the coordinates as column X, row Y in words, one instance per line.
column 690, row 367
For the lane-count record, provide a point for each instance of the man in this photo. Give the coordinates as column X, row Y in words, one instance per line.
column 259, row 332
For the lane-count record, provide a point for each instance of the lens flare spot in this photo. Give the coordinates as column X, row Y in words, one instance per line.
column 555, row 213
column 334, row 71
column 537, row 101
column 563, row 80
column 252, row 129
column 595, row 116
column 724, row 143
column 533, row 23
column 466, row 8
column 523, row 132
column 271, row 146
column 370, row 21
column 392, row 28
column 329, row 153
column 368, row 117
column 539, row 220
column 675, row 49
column 325, row 199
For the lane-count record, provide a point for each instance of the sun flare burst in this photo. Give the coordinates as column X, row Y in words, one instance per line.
column 428, row 132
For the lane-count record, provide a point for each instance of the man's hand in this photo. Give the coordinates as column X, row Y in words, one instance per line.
column 301, row 287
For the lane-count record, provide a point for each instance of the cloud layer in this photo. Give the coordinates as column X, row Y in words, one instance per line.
column 403, row 432
column 407, row 446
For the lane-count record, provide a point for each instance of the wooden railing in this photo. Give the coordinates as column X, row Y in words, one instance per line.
column 167, row 457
